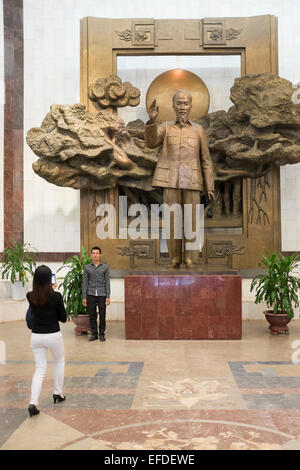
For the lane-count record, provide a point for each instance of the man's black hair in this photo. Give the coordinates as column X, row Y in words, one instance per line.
column 96, row 248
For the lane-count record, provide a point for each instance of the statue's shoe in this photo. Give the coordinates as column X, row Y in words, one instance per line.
column 174, row 263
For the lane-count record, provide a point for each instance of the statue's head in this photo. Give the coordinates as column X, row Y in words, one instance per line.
column 182, row 105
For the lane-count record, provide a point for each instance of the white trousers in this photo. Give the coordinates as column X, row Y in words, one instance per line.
column 39, row 345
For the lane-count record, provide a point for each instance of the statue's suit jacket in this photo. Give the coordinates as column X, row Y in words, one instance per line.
column 185, row 161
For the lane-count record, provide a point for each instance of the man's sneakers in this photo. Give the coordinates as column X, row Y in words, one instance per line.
column 102, row 338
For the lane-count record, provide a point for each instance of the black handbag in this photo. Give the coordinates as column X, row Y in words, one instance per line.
column 29, row 318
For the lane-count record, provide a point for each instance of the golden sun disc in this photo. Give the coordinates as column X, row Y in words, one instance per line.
column 166, row 84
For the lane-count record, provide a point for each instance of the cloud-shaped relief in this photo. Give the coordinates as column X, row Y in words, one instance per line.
column 111, row 91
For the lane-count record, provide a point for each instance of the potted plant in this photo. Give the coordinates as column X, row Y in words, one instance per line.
column 278, row 287
column 72, row 291
column 17, row 264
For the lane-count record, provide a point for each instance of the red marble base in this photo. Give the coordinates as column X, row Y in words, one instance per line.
column 183, row 307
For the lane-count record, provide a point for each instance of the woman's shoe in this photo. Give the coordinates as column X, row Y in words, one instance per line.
column 33, row 410
column 58, row 398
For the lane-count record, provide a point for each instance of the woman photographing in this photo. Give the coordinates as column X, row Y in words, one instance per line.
column 47, row 310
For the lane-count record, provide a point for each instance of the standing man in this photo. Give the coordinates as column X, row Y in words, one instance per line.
column 184, row 167
column 96, row 291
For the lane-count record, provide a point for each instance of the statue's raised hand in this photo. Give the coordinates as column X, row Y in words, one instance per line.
column 153, row 111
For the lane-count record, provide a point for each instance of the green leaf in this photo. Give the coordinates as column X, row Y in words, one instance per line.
column 279, row 287
column 72, row 282
column 17, row 261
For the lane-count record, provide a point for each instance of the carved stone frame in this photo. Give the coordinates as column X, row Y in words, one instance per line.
column 253, row 38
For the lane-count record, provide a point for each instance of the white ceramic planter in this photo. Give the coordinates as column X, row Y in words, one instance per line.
column 17, row 290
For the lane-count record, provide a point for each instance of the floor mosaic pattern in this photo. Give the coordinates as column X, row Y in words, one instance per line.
column 155, row 395
column 268, row 384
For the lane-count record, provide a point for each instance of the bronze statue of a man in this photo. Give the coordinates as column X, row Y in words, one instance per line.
column 184, row 167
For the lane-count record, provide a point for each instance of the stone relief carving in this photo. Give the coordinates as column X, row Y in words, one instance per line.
column 217, row 249
column 137, row 250
column 142, row 32
column 221, row 250
column 217, row 34
column 125, row 35
column 140, row 36
column 232, row 33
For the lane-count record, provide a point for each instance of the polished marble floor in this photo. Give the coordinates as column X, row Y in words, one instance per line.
column 156, row 395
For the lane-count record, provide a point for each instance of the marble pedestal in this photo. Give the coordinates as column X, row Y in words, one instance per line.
column 183, row 306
